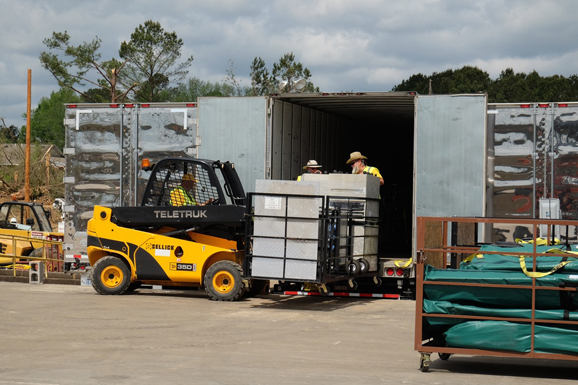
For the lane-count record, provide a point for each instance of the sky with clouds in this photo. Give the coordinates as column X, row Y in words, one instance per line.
column 348, row 45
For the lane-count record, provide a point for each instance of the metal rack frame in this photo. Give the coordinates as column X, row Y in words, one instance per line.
column 434, row 242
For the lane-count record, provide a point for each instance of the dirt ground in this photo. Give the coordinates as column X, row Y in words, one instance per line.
column 66, row 335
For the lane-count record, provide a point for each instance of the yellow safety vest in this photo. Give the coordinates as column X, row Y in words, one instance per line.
column 180, row 197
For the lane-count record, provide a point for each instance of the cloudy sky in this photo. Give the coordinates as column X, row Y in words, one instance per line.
column 348, row 45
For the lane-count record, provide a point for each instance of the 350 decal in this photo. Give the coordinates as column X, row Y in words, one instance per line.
column 183, row 266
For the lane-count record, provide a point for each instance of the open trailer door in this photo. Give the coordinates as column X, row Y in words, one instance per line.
column 450, row 156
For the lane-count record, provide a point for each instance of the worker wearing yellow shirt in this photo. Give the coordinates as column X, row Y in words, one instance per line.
column 181, row 196
column 359, row 166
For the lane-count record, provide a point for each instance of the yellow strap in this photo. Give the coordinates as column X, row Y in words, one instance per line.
column 539, row 241
column 558, row 251
column 471, row 257
column 402, row 264
column 536, row 274
column 17, row 266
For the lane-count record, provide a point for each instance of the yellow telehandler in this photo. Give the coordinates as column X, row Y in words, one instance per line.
column 188, row 231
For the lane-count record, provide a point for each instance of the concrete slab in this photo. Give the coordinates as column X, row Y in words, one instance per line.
column 61, row 334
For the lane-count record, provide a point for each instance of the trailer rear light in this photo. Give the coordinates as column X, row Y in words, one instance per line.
column 562, row 105
column 191, row 104
column 399, row 272
column 389, row 272
column 71, row 105
column 525, row 106
column 129, row 105
column 145, row 105
column 543, row 105
column 114, row 105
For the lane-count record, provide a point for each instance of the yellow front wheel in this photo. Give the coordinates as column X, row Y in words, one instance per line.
column 224, row 281
column 110, row 275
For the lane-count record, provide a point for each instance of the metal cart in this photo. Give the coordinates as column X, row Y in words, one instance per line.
column 483, row 291
column 311, row 240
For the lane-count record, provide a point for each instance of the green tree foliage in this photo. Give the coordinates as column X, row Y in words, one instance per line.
column 8, row 134
column 234, row 87
column 46, row 121
column 509, row 87
column 285, row 73
column 465, row 80
column 261, row 81
column 152, row 55
column 82, row 65
column 195, row 87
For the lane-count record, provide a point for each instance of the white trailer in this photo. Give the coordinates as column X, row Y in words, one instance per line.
column 440, row 155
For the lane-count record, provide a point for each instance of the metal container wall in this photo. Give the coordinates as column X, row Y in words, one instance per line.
column 536, row 156
column 104, row 147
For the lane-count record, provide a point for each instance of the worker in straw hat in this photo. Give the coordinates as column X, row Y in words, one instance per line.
column 359, row 166
column 181, row 195
column 311, row 168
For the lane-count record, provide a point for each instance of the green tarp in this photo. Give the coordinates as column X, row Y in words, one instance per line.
column 501, row 297
column 511, row 336
column 504, row 301
column 507, row 261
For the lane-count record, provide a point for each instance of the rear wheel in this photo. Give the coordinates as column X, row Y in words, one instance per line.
column 110, row 276
column 444, row 356
column 223, row 281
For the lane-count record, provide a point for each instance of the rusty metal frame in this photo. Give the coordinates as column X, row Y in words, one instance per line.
column 420, row 344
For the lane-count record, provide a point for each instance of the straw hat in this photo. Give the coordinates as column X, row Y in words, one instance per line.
column 355, row 156
column 312, row 164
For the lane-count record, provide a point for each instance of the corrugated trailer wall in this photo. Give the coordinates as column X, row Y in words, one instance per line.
column 300, row 134
column 235, row 129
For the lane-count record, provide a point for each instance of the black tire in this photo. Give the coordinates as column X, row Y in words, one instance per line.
column 363, row 265
column 353, row 267
column 444, row 356
column 224, row 281
column 353, row 285
column 424, row 367
column 326, row 292
column 110, row 276
column 257, row 286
